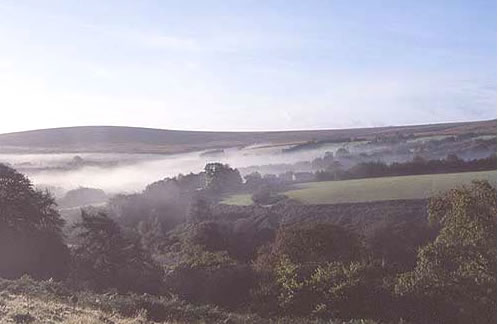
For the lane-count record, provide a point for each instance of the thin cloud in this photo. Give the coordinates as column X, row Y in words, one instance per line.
column 151, row 39
column 169, row 42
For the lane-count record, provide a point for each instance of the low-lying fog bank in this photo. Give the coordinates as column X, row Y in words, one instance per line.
column 131, row 172
column 116, row 173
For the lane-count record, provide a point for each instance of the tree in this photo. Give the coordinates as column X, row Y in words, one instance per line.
column 332, row 290
column 104, row 258
column 253, row 180
column 199, row 210
column 396, row 244
column 316, row 243
column 202, row 270
column 211, row 236
column 264, row 195
column 328, row 157
column 454, row 280
column 83, row 196
column 453, row 158
column 286, row 268
column 341, row 152
column 221, row 178
column 31, row 239
column 151, row 233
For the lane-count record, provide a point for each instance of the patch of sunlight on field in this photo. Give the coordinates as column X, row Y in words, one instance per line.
column 239, row 200
column 387, row 188
column 376, row 189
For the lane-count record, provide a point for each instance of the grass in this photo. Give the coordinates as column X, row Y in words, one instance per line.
column 375, row 189
column 28, row 301
column 16, row 308
column 238, row 200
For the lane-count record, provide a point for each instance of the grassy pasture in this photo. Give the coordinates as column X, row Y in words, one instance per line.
column 375, row 189
column 238, row 200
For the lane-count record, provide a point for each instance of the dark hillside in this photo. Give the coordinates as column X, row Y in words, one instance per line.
column 148, row 140
column 361, row 217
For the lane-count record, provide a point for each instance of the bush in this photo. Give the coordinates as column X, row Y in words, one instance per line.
column 331, row 290
column 265, row 196
column 454, row 280
column 203, row 276
column 314, row 270
column 316, row 243
column 155, row 308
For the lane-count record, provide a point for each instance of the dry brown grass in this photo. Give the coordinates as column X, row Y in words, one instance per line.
column 23, row 309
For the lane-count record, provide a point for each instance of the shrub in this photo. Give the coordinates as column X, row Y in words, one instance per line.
column 454, row 280
column 203, row 276
column 265, row 196
column 316, row 243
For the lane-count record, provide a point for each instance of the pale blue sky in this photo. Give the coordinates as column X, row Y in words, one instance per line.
column 246, row 65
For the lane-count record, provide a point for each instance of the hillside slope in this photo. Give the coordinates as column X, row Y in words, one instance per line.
column 148, row 140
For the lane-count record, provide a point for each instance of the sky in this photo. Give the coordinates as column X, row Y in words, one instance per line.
column 245, row 64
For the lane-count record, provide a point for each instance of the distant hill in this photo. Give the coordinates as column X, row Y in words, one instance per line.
column 149, row 140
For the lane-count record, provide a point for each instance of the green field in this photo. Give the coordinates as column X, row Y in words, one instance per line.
column 375, row 189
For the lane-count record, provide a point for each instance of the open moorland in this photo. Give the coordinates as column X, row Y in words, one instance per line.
column 113, row 139
column 126, row 159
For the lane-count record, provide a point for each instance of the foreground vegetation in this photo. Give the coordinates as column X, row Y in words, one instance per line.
column 167, row 255
column 28, row 301
column 374, row 189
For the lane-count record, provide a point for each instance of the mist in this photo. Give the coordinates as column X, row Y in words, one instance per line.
column 128, row 173
column 132, row 172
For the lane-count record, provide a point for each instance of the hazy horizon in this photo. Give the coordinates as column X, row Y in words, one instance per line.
column 258, row 130
column 246, row 65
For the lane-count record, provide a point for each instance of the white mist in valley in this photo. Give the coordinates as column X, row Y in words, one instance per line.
column 127, row 173
column 132, row 172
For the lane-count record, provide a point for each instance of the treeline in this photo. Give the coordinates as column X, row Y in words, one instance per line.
column 310, row 145
column 160, row 243
column 415, row 167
